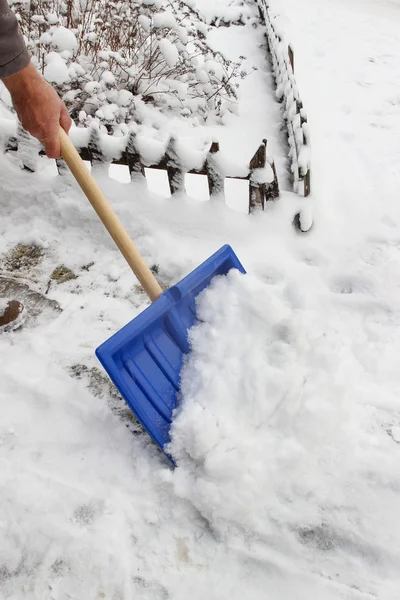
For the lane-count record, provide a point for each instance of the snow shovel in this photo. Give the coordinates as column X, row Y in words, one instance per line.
column 144, row 358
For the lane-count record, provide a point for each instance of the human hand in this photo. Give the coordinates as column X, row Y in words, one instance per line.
column 39, row 108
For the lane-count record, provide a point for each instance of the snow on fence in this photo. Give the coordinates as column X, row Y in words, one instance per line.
column 287, row 92
column 173, row 157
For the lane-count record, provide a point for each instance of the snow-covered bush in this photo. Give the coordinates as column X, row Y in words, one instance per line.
column 235, row 12
column 108, row 58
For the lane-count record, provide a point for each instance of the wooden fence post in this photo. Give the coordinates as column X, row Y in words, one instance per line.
column 96, row 155
column 257, row 189
column 307, row 183
column 174, row 169
column 133, row 159
column 291, row 56
column 215, row 181
column 261, row 191
column 260, row 13
column 272, row 189
column 307, row 176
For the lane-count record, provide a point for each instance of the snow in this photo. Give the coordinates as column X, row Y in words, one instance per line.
column 144, row 22
column 169, row 52
column 191, row 156
column 278, row 444
column 151, row 150
column 257, row 106
column 290, row 412
column 52, row 18
column 38, row 19
column 124, row 97
column 263, row 175
column 285, row 440
column 113, row 146
column 165, row 19
column 183, row 35
column 8, row 127
column 64, row 39
column 3, row 306
column 108, row 78
column 107, row 111
column 46, row 38
column 56, row 70
column 92, row 87
column 229, row 12
column 80, row 136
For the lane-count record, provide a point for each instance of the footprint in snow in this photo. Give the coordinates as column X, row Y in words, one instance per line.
column 350, row 285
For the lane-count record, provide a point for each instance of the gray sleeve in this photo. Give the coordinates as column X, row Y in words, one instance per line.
column 13, row 53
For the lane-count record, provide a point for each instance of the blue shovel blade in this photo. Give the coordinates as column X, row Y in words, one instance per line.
column 144, row 358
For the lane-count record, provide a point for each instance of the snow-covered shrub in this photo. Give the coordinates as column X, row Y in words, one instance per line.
column 108, row 58
column 236, row 12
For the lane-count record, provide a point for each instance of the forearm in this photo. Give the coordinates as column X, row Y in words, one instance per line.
column 24, row 82
column 13, row 53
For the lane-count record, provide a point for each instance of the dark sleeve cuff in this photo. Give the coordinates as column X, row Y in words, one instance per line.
column 17, row 64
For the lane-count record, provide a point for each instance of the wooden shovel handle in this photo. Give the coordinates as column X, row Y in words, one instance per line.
column 109, row 218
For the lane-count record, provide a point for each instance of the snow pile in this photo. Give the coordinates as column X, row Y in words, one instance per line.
column 277, row 442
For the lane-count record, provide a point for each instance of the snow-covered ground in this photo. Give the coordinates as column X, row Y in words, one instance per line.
column 292, row 491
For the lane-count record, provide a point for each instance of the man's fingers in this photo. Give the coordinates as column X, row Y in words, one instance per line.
column 65, row 119
column 52, row 145
column 52, row 142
